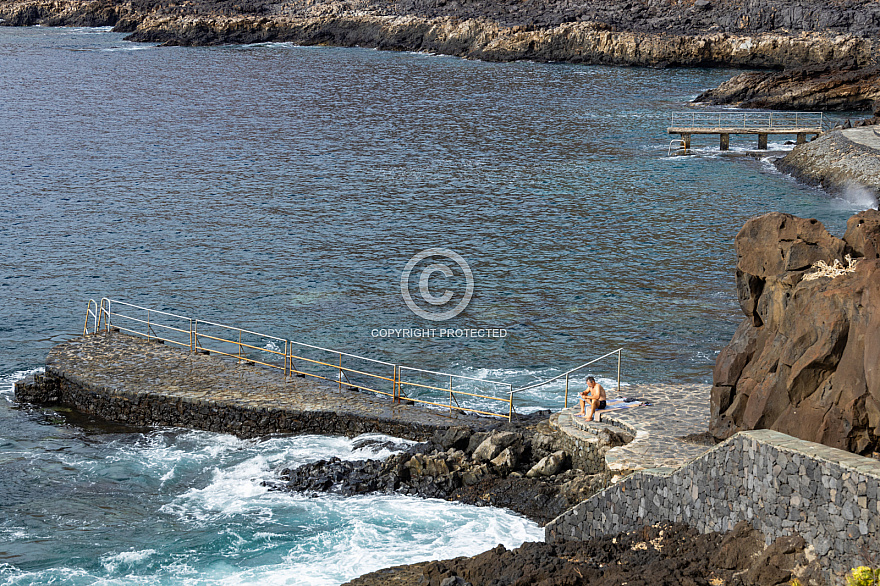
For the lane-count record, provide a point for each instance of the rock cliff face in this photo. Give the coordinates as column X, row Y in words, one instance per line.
column 833, row 85
column 806, row 360
column 751, row 33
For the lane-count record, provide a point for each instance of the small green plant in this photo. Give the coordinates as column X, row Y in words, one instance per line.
column 795, row 582
column 863, row 576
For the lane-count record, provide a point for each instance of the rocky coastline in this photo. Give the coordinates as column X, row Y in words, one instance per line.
column 835, row 85
column 647, row 33
column 521, row 466
column 839, row 163
column 664, row 554
column 804, row 360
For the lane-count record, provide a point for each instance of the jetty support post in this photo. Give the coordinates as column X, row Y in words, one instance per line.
column 762, row 141
column 725, row 141
column 687, row 141
column 801, row 137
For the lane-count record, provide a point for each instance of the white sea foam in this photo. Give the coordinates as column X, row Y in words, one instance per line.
column 859, row 196
column 212, row 491
column 7, row 383
column 112, row 563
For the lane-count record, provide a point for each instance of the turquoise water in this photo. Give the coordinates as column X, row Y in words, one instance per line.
column 171, row 506
column 283, row 189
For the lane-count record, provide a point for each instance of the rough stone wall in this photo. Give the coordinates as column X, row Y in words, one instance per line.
column 587, row 451
column 836, row 163
column 156, row 410
column 776, row 482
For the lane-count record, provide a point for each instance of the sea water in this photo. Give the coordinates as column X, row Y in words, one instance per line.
column 283, row 189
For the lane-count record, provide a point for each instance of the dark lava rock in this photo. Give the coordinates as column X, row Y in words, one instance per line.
column 664, row 554
column 484, row 468
column 841, row 85
column 805, row 360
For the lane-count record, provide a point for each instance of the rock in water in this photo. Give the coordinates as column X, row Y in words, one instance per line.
column 806, row 361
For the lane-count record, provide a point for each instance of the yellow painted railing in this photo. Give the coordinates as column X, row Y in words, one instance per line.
column 295, row 359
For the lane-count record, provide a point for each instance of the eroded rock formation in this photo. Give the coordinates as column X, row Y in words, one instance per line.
column 806, row 360
column 520, row 466
column 833, row 85
column 751, row 33
column 838, row 163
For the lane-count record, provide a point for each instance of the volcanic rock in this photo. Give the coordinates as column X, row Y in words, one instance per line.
column 842, row 85
column 839, row 164
column 744, row 33
column 548, row 465
column 806, row 361
column 433, row 470
column 660, row 555
column 494, row 444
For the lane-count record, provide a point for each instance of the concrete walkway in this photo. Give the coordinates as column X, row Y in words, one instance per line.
column 676, row 411
column 137, row 381
column 864, row 136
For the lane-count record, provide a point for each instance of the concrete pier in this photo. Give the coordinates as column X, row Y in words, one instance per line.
column 140, row 382
column 762, row 124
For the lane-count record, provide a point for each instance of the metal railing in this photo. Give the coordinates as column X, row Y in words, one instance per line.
column 771, row 121
column 452, row 392
column 149, row 322
column 679, row 144
column 297, row 359
column 246, row 348
column 567, row 374
column 346, row 375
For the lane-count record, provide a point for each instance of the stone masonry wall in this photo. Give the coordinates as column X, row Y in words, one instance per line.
column 154, row 409
column 586, row 450
column 778, row 483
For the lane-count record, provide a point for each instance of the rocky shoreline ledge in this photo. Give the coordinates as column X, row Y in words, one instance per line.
column 842, row 162
column 664, row 554
column 650, row 33
column 843, row 85
column 521, row 465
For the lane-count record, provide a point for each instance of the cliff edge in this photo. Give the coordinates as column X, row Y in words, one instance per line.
column 750, row 33
column 806, row 360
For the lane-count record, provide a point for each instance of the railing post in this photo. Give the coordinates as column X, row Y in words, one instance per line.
column 395, row 387
column 450, row 392
column 566, row 391
column 148, row 325
column 510, row 401
column 340, row 371
column 239, row 346
column 619, row 351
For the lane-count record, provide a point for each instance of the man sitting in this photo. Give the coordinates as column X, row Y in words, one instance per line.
column 595, row 396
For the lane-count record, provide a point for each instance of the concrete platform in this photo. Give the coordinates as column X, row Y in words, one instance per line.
column 137, row 381
column 676, row 411
column 868, row 136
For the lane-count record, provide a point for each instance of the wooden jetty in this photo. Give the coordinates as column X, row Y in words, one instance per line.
column 762, row 124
